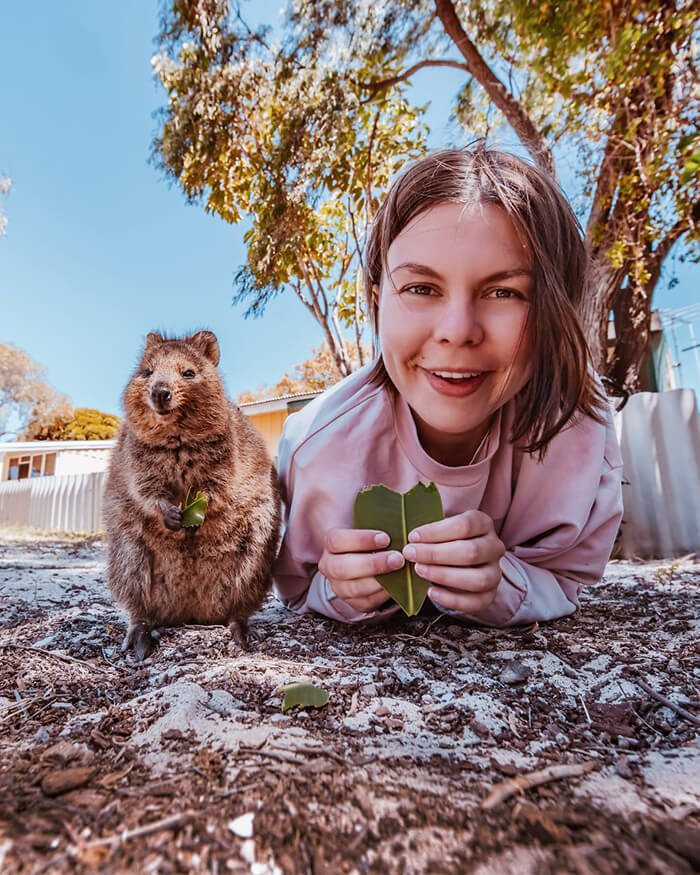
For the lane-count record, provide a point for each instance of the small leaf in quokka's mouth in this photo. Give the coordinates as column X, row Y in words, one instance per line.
column 194, row 509
column 303, row 696
column 398, row 514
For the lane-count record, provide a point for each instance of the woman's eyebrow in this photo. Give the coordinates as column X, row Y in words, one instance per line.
column 414, row 267
column 507, row 274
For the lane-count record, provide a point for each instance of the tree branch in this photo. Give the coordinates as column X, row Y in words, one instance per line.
column 658, row 256
column 375, row 87
column 511, row 108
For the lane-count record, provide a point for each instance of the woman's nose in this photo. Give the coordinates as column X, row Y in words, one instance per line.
column 458, row 323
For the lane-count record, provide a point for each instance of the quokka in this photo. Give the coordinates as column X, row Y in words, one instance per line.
column 181, row 432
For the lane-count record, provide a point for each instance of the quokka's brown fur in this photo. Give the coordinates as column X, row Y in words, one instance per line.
column 181, row 432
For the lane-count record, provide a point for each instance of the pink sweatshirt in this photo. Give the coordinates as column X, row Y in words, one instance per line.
column 557, row 519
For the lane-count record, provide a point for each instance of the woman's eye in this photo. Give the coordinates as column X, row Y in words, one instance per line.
column 421, row 291
column 189, row 374
column 147, row 372
column 506, row 293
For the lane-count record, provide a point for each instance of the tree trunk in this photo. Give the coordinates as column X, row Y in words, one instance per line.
column 610, row 289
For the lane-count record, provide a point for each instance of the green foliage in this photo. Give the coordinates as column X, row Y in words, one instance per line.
column 194, row 509
column 398, row 514
column 85, row 424
column 251, row 131
column 303, row 696
column 303, row 138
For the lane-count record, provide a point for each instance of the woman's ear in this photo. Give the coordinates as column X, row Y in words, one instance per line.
column 375, row 294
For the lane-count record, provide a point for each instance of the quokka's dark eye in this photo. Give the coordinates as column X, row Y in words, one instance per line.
column 188, row 373
column 146, row 372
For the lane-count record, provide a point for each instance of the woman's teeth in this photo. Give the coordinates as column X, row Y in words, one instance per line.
column 451, row 375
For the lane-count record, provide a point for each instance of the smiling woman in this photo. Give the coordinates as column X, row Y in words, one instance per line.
column 453, row 322
column 474, row 273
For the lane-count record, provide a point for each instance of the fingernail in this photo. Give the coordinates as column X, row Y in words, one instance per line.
column 382, row 539
column 414, row 536
column 422, row 569
column 394, row 560
column 409, row 553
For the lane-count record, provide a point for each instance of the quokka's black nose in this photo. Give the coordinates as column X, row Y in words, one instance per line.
column 161, row 395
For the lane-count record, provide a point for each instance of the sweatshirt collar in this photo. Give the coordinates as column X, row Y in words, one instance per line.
column 463, row 475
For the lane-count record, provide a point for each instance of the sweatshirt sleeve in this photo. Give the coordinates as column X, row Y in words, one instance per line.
column 311, row 508
column 561, row 526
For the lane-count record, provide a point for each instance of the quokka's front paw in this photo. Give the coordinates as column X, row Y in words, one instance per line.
column 172, row 515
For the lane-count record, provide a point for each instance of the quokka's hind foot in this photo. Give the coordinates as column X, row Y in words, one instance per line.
column 141, row 639
column 240, row 634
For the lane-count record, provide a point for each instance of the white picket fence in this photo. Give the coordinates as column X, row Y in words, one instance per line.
column 659, row 436
column 66, row 503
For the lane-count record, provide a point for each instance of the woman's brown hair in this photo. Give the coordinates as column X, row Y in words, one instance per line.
column 562, row 382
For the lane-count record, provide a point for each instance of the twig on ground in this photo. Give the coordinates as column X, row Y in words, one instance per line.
column 585, row 710
column 686, row 715
column 270, row 754
column 147, row 829
column 236, row 790
column 52, row 653
column 20, row 701
column 308, row 751
column 503, row 791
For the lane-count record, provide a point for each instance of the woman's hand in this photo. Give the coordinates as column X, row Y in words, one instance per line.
column 461, row 556
column 351, row 562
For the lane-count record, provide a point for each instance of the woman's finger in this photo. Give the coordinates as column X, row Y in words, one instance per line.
column 470, row 524
column 369, row 603
column 475, row 551
column 353, row 566
column 356, row 589
column 465, row 603
column 355, row 540
column 469, row 580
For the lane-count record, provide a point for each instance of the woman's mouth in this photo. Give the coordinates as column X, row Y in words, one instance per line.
column 457, row 384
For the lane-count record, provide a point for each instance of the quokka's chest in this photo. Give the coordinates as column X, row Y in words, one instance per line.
column 185, row 468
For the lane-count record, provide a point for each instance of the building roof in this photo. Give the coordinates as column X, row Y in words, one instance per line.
column 24, row 448
column 277, row 402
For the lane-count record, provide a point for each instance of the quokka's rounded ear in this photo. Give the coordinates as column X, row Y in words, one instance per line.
column 207, row 344
column 153, row 339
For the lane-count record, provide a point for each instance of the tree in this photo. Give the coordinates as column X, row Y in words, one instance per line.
column 312, row 375
column 27, row 401
column 614, row 81
column 250, row 132
column 85, row 424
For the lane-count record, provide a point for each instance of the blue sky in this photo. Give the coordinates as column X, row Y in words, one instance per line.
column 100, row 248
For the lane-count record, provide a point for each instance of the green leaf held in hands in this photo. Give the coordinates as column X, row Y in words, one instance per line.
column 194, row 509
column 398, row 514
column 304, row 696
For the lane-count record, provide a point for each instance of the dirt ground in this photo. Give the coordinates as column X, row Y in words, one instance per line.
column 185, row 763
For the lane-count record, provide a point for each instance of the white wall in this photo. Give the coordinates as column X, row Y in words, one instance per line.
column 81, row 461
column 659, row 434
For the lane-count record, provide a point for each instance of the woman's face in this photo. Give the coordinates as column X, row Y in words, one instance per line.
column 452, row 315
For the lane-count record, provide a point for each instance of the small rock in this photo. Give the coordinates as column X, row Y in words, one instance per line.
column 622, row 767
column 479, row 728
column 42, row 735
column 63, row 751
column 515, row 672
column 369, row 690
column 63, row 780
column 405, row 675
column 382, row 711
column 242, row 826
